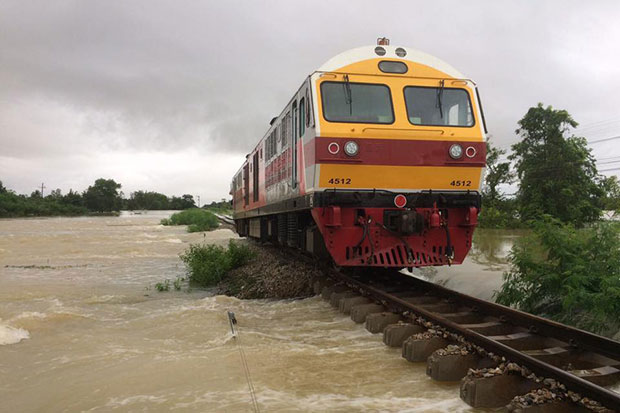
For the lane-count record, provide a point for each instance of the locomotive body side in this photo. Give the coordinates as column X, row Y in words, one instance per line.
column 383, row 167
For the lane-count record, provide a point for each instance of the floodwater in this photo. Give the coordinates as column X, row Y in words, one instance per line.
column 480, row 275
column 82, row 329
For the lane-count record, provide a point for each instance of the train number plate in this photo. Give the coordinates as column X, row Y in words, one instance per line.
column 340, row 181
column 459, row 182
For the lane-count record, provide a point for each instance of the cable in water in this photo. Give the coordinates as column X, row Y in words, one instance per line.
column 246, row 369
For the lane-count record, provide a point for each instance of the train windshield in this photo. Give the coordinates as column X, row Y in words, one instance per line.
column 438, row 106
column 356, row 102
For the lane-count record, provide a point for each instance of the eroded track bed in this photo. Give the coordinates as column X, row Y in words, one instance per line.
column 503, row 357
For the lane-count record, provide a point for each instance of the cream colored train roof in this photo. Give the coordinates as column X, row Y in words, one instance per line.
column 368, row 52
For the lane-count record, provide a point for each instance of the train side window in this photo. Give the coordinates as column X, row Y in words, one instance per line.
column 302, row 114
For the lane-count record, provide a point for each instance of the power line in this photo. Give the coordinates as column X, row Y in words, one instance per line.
column 604, row 139
column 609, row 157
column 606, row 162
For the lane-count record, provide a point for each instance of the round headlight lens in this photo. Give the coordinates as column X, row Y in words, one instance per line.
column 351, row 148
column 456, row 151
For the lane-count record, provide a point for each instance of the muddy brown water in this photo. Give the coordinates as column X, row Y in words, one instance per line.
column 82, row 329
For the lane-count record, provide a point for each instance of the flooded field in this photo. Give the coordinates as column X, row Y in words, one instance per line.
column 82, row 329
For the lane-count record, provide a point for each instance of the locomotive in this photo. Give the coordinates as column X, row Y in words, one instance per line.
column 377, row 160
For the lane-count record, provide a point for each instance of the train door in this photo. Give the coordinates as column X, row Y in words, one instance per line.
column 246, row 184
column 294, row 145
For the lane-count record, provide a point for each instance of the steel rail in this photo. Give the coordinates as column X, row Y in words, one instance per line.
column 578, row 337
column 575, row 337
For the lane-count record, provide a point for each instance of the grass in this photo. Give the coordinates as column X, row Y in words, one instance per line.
column 197, row 220
column 208, row 264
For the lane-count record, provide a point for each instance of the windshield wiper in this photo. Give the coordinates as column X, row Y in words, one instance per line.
column 440, row 97
column 348, row 98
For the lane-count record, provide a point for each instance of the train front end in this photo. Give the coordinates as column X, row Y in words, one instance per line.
column 400, row 153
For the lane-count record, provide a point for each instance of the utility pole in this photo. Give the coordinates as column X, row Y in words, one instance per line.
column 42, row 188
column 198, row 196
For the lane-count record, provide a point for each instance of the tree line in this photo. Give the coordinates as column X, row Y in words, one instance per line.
column 555, row 172
column 104, row 196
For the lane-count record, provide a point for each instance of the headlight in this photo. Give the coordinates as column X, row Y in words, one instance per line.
column 351, row 148
column 456, row 151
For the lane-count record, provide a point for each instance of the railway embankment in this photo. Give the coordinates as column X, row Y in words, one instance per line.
column 270, row 274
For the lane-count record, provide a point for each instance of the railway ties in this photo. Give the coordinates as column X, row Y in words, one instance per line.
column 502, row 357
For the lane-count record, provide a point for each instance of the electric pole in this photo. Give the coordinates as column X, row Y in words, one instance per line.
column 198, row 196
column 42, row 188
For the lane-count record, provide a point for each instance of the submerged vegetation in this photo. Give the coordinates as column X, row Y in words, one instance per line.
column 197, row 220
column 207, row 265
column 568, row 274
column 165, row 285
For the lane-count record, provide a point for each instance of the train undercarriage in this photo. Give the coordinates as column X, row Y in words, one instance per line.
column 371, row 228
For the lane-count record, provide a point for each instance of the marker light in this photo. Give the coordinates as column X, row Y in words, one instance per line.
column 333, row 148
column 400, row 201
column 456, row 151
column 351, row 148
column 470, row 152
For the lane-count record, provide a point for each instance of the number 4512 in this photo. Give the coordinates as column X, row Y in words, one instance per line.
column 460, row 183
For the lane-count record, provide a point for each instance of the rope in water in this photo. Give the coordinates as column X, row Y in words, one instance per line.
column 246, row 369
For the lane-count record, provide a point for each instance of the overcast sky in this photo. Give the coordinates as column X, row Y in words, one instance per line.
column 170, row 95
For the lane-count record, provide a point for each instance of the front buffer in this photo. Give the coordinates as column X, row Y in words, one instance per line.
column 386, row 229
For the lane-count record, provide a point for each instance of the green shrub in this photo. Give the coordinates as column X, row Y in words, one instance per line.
column 208, row 264
column 196, row 219
column 567, row 274
column 165, row 286
column 239, row 254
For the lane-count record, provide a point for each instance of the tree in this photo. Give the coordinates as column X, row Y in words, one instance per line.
column 611, row 201
column 55, row 194
column 3, row 190
column 558, row 175
column 103, row 196
column 73, row 198
column 188, row 201
column 497, row 173
column 147, row 200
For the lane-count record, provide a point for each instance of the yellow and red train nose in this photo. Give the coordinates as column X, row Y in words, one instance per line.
column 398, row 164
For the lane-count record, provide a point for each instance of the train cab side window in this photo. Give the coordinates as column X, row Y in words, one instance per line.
column 285, row 129
column 294, row 120
column 356, row 102
column 308, row 103
column 433, row 106
column 302, row 114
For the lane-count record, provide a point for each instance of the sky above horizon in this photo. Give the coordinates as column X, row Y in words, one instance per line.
column 169, row 96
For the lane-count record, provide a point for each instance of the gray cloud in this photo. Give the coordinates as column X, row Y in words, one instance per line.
column 81, row 79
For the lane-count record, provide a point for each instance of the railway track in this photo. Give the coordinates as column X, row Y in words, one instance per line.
column 502, row 356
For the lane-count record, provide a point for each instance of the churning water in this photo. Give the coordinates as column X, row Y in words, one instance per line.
column 82, row 329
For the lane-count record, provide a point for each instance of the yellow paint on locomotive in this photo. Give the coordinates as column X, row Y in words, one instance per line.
column 399, row 177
